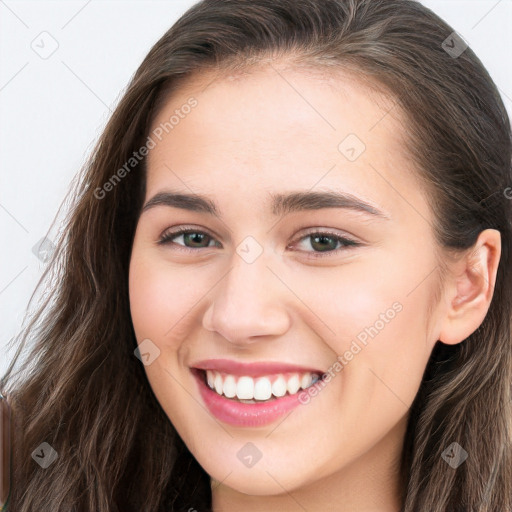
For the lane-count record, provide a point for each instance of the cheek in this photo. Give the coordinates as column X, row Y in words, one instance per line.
column 161, row 296
column 147, row 298
column 377, row 317
column 158, row 296
column 165, row 297
column 364, row 298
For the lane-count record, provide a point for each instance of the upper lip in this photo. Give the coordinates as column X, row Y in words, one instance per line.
column 255, row 369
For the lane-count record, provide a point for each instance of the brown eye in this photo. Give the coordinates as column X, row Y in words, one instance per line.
column 192, row 238
column 324, row 244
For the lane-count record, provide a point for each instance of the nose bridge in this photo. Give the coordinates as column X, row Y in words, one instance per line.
column 247, row 301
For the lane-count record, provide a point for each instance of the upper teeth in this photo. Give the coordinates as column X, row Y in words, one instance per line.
column 259, row 388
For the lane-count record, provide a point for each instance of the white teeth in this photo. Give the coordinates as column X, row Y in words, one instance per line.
column 293, row 384
column 218, row 383
column 229, row 387
column 247, row 389
column 279, row 387
column 262, row 389
column 210, row 379
column 306, row 381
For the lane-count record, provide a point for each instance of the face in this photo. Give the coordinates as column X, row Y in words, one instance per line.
column 264, row 291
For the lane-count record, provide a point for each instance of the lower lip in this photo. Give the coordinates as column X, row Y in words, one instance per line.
column 239, row 414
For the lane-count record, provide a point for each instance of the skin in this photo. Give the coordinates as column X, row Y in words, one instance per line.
column 277, row 129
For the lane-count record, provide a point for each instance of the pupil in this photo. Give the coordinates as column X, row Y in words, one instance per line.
column 323, row 239
column 190, row 236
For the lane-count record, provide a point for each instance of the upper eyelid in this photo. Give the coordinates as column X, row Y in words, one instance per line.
column 181, row 228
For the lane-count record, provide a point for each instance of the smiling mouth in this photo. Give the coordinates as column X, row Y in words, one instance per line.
column 249, row 390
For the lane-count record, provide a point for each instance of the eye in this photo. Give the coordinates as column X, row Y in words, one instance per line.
column 323, row 243
column 191, row 236
column 326, row 243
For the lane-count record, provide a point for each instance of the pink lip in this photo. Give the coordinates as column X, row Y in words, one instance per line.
column 251, row 369
column 240, row 414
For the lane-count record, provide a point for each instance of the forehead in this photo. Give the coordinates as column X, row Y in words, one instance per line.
column 277, row 129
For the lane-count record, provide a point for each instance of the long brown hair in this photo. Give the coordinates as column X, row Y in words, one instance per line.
column 82, row 390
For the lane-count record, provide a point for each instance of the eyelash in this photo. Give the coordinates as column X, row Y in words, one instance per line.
column 348, row 243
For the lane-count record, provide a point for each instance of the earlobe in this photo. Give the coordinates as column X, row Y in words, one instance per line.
column 474, row 278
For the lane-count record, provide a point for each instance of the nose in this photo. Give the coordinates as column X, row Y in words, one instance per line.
column 249, row 303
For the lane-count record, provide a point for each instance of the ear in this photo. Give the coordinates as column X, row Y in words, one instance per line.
column 470, row 288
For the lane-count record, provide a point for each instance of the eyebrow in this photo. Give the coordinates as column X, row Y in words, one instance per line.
column 282, row 204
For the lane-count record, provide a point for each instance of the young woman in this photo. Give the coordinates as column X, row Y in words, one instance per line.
column 285, row 279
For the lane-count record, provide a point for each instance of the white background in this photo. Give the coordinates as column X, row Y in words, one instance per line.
column 54, row 108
